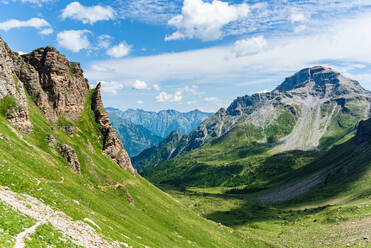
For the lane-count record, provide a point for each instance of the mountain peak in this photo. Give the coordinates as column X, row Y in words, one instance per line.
column 321, row 79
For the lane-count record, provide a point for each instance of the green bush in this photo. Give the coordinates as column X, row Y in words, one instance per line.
column 8, row 104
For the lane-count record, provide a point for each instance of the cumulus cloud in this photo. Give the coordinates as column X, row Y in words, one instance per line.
column 37, row 23
column 178, row 95
column 139, row 85
column 74, row 40
column 250, row 46
column 166, row 97
column 87, row 14
column 112, row 87
column 140, row 102
column 297, row 17
column 205, row 20
column 104, row 41
column 156, row 87
column 211, row 99
column 119, row 50
column 174, row 36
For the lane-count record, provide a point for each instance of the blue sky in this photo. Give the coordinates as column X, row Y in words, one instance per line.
column 188, row 54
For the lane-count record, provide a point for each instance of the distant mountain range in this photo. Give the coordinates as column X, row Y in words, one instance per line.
column 312, row 109
column 140, row 129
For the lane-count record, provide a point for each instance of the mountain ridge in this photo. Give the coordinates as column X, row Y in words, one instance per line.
column 162, row 123
column 310, row 106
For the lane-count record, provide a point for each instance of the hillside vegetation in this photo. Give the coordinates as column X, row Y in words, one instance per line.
column 66, row 180
column 315, row 199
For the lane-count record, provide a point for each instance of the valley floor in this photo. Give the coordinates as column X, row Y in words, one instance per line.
column 308, row 224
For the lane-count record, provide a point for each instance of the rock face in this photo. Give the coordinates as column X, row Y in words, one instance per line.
column 135, row 138
column 12, row 90
column 312, row 106
column 112, row 145
column 59, row 88
column 71, row 157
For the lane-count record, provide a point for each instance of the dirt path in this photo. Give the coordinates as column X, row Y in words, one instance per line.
column 80, row 232
column 19, row 240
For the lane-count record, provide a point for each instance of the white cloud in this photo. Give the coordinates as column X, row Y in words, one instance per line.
column 37, row 23
column 178, row 95
column 211, row 99
column 166, row 97
column 74, row 40
column 174, row 36
column 300, row 28
column 297, row 17
column 156, row 87
column 346, row 40
column 104, row 41
column 150, row 11
column 36, row 2
column 140, row 102
column 86, row 14
column 112, row 87
column 205, row 20
column 46, row 31
column 139, row 85
column 21, row 53
column 263, row 91
column 119, row 51
column 250, row 46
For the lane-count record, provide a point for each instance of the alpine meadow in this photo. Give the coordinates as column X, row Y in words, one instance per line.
column 185, row 123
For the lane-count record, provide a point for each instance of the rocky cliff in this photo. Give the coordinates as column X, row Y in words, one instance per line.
column 112, row 145
column 59, row 88
column 12, row 91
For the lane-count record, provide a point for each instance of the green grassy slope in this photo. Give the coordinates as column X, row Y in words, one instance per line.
column 126, row 208
column 334, row 213
column 235, row 159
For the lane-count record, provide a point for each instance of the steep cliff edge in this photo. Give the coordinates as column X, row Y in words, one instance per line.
column 58, row 87
column 12, row 94
column 112, row 145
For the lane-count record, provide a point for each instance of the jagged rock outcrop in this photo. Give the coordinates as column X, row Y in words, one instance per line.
column 112, row 145
column 12, row 91
column 56, row 85
column 70, row 156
